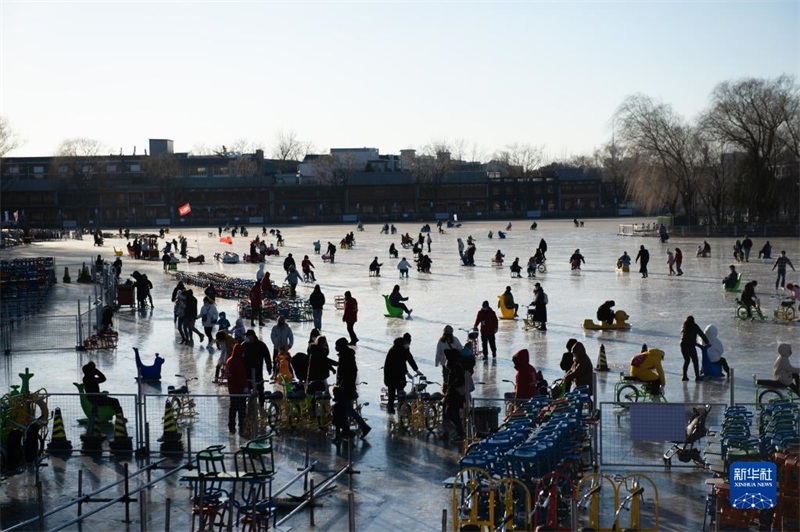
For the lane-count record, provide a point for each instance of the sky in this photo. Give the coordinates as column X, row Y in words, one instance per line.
column 388, row 75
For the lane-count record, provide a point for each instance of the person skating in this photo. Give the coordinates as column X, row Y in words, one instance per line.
column 643, row 257
column 781, row 264
column 238, row 387
column 350, row 316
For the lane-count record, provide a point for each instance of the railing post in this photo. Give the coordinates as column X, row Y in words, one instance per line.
column 730, row 376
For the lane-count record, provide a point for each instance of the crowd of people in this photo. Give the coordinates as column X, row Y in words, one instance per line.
column 243, row 357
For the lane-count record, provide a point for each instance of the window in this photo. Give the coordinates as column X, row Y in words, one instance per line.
column 63, row 169
column 220, row 170
column 111, row 168
column 38, row 169
column 13, row 169
column 135, row 168
column 199, row 170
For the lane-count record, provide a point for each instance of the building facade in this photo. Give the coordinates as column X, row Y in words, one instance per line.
column 129, row 190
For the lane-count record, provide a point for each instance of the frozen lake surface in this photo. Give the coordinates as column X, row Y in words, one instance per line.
column 450, row 294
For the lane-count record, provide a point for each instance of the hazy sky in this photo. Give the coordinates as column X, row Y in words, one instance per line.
column 379, row 74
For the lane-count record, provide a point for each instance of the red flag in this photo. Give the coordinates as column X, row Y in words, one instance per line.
column 184, row 209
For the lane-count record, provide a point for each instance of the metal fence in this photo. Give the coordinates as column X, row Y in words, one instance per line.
column 640, row 433
column 209, row 425
column 60, row 332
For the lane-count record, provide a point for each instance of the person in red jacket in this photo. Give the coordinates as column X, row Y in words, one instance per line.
column 236, row 373
column 350, row 316
column 255, row 305
column 526, row 375
column 488, row 321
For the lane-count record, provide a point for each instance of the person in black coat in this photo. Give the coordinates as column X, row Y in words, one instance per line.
column 395, row 368
column 689, row 333
column 346, row 379
column 643, row 257
column 605, row 313
column 320, row 366
column 256, row 357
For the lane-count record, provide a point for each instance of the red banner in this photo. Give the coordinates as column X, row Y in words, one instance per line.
column 184, row 209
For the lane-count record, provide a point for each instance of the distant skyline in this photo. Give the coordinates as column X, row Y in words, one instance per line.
column 372, row 74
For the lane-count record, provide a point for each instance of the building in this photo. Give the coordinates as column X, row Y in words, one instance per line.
column 127, row 190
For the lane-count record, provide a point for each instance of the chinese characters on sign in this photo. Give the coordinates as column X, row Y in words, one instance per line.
column 753, row 485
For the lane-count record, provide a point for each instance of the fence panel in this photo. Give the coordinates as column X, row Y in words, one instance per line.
column 208, row 427
column 61, row 332
column 622, row 443
column 75, row 418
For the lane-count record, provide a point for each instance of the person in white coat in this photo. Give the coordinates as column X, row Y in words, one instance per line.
column 715, row 349
column 403, row 266
column 209, row 317
column 446, row 342
column 783, row 371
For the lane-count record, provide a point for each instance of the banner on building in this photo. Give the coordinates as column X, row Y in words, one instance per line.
column 183, row 210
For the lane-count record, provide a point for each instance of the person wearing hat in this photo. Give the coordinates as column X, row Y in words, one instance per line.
column 447, row 342
column 487, row 319
column 236, row 375
column 539, row 303
column 282, row 339
column 581, row 373
column 783, row 370
column 567, row 359
column 576, row 259
column 346, row 379
column 508, row 300
column 395, row 368
column 92, row 378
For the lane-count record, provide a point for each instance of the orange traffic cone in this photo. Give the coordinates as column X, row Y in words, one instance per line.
column 602, row 363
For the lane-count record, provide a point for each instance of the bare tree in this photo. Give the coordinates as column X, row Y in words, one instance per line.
column 720, row 170
column 758, row 116
column 522, row 159
column 9, row 138
column 289, row 146
column 79, row 159
column 668, row 151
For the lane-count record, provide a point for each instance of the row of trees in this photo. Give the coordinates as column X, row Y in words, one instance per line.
column 737, row 161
